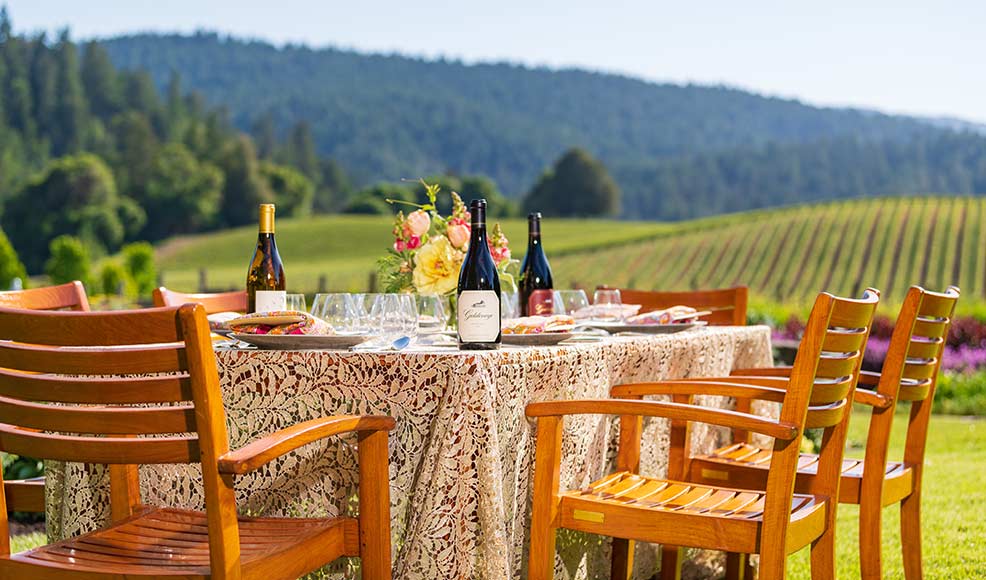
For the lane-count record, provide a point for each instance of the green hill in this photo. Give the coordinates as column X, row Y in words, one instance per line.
column 785, row 255
column 677, row 151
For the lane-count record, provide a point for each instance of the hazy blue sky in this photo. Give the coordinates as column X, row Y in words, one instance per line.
column 904, row 56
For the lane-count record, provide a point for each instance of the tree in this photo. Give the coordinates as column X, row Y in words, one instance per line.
column 136, row 149
column 293, row 192
column 578, row 185
column 300, row 151
column 334, row 187
column 10, row 266
column 69, row 260
column 183, row 195
column 113, row 279
column 99, row 79
column 75, row 195
column 70, row 106
column 266, row 136
column 138, row 261
column 244, row 189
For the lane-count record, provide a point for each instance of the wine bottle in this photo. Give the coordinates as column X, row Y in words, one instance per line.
column 478, row 305
column 536, row 296
column 265, row 278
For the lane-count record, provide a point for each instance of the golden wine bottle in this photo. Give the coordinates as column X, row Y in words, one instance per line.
column 265, row 278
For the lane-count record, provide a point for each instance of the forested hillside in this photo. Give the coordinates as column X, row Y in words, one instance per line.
column 385, row 117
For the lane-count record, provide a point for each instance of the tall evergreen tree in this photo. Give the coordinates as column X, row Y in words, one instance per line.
column 43, row 86
column 578, row 185
column 265, row 135
column 300, row 151
column 136, row 148
column 70, row 105
column 245, row 188
column 100, row 81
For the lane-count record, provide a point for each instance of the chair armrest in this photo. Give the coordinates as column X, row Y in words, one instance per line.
column 25, row 495
column 679, row 411
column 737, row 387
column 869, row 378
column 872, row 398
column 764, row 372
column 264, row 450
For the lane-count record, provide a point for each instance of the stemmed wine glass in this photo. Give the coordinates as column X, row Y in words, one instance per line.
column 608, row 306
column 341, row 311
column 570, row 301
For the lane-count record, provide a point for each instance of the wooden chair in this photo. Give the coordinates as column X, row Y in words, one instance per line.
column 909, row 374
column 28, row 495
column 71, row 296
column 728, row 305
column 163, row 405
column 772, row 523
column 220, row 302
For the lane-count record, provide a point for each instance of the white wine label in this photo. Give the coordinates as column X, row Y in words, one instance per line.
column 271, row 300
column 478, row 316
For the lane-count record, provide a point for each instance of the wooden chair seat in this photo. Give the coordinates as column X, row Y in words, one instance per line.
column 743, row 464
column 706, row 516
column 168, row 543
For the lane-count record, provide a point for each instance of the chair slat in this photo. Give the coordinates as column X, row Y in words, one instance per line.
column 832, row 365
column 217, row 302
column 99, row 420
column 71, row 296
column 826, row 415
column 919, row 348
column 105, row 450
column 94, row 390
column 920, row 368
column 918, row 392
column 824, row 393
column 937, row 305
column 838, row 340
column 102, row 361
column 930, row 328
column 133, row 327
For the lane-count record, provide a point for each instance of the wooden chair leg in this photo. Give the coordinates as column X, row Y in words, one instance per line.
column 822, row 556
column 870, row 538
column 910, row 536
column 547, row 461
column 622, row 568
column 738, row 566
column 773, row 565
column 670, row 563
column 374, row 506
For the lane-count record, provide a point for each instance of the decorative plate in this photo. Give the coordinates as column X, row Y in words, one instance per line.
column 539, row 339
column 302, row 341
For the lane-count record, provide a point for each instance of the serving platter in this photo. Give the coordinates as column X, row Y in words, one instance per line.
column 615, row 327
column 302, row 341
column 539, row 339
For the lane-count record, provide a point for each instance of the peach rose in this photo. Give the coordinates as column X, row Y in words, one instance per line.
column 458, row 235
column 418, row 223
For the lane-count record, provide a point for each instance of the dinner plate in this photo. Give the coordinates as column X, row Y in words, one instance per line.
column 614, row 327
column 539, row 339
column 302, row 341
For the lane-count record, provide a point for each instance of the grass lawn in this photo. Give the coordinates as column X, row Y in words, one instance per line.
column 954, row 497
column 345, row 248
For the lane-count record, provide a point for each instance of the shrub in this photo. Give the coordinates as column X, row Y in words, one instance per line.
column 68, row 261
column 113, row 279
column 961, row 394
column 10, row 265
column 138, row 260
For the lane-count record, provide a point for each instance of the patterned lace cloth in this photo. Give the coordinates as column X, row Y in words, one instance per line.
column 461, row 457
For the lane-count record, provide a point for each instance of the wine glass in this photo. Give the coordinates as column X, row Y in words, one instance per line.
column 608, row 305
column 509, row 305
column 391, row 313
column 432, row 313
column 408, row 312
column 339, row 310
column 570, row 301
column 296, row 302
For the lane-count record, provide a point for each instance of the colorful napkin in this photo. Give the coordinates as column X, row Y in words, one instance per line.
column 280, row 322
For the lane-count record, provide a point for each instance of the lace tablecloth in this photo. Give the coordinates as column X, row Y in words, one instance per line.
column 461, row 457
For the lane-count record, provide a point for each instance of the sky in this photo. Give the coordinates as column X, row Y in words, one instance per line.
column 904, row 56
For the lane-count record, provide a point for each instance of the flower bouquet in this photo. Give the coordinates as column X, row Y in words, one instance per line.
column 429, row 249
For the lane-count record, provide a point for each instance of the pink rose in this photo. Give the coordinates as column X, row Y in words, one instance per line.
column 413, row 242
column 400, row 245
column 459, row 235
column 418, row 223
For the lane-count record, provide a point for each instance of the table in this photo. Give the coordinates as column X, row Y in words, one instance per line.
column 461, row 457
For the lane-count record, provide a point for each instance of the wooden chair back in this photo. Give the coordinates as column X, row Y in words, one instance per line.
column 819, row 395
column 728, row 305
column 218, row 302
column 910, row 373
column 96, row 366
column 71, row 296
